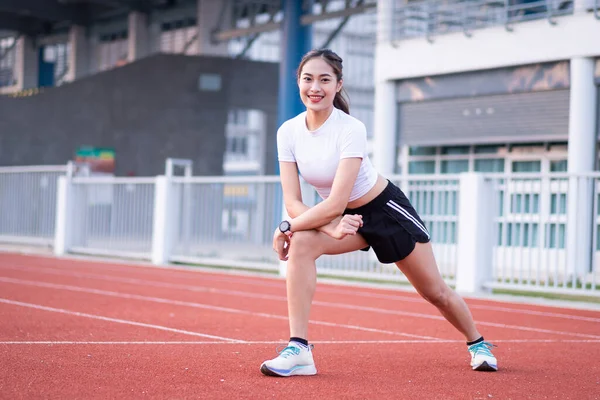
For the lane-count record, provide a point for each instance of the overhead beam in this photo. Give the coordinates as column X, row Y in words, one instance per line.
column 306, row 19
column 144, row 6
column 47, row 10
column 26, row 25
column 339, row 28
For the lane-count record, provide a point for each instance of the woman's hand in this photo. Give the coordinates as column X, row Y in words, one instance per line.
column 281, row 244
column 348, row 225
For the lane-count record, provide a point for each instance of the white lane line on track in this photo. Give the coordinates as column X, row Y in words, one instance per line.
column 270, row 297
column 321, row 289
column 340, row 342
column 119, row 321
column 203, row 306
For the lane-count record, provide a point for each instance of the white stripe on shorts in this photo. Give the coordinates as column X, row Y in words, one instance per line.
column 393, row 205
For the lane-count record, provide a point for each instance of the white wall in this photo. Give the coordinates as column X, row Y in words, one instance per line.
column 529, row 42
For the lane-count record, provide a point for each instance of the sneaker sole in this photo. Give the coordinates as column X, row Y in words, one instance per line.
column 297, row 372
column 484, row 366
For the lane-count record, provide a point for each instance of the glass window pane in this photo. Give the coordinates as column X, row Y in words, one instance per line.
column 558, row 166
column 561, row 236
column 487, row 149
column 499, row 234
column 489, row 165
column 536, row 203
column 455, row 150
column 421, row 151
column 421, row 167
column 455, row 166
column 526, row 166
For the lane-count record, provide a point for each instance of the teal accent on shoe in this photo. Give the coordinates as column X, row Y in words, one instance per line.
column 289, row 351
column 482, row 348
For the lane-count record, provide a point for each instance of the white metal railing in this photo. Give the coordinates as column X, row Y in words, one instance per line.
column 112, row 215
column 227, row 218
column 546, row 233
column 530, row 232
column 436, row 199
column 428, row 18
column 28, row 203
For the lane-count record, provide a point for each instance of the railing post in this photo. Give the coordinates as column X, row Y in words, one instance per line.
column 64, row 209
column 163, row 223
column 475, row 233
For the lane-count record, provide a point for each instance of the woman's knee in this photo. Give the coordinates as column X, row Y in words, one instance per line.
column 438, row 296
column 305, row 242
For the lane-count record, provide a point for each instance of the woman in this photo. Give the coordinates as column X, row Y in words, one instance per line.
column 360, row 209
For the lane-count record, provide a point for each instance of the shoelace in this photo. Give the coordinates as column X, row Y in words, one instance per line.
column 288, row 351
column 482, row 348
column 291, row 350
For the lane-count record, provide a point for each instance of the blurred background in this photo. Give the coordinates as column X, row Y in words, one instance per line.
column 146, row 128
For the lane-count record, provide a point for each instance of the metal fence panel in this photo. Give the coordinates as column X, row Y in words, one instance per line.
column 228, row 218
column 28, row 203
column 113, row 216
column 532, row 228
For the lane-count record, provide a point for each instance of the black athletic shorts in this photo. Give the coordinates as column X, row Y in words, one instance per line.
column 391, row 226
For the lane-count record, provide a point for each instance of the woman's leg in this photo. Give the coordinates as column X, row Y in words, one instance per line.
column 421, row 270
column 305, row 248
column 301, row 279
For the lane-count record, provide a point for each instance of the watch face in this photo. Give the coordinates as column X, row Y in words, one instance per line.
column 284, row 226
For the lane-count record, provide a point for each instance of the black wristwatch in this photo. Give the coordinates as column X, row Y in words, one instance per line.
column 285, row 227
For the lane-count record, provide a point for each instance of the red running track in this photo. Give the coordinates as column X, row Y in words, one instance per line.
column 82, row 329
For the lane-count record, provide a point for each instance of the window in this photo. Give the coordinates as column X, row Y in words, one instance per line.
column 487, row 149
column 422, row 151
column 421, row 167
column 526, row 166
column 7, row 61
column 454, row 166
column 489, row 165
column 454, row 150
column 558, row 166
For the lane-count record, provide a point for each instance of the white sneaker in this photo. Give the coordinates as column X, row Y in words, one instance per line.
column 295, row 359
column 482, row 358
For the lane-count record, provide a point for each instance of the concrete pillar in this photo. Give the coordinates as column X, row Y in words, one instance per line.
column 26, row 63
column 474, row 266
column 208, row 15
column 384, row 139
column 79, row 56
column 581, row 160
column 138, row 36
column 385, row 20
column 165, row 223
column 63, row 228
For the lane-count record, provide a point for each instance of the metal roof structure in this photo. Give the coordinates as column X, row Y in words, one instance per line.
column 43, row 17
column 35, row 17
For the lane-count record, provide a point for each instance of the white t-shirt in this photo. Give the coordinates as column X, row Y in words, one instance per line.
column 318, row 153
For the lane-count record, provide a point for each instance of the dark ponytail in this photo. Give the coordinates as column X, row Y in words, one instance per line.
column 340, row 100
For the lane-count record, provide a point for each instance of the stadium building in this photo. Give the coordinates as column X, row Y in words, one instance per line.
column 51, row 43
column 505, row 90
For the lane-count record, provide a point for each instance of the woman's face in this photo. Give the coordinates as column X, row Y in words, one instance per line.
column 318, row 85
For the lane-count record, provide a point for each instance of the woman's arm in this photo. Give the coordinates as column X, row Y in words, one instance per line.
column 292, row 194
column 329, row 209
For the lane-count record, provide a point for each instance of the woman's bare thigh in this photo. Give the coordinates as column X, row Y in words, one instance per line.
column 325, row 244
